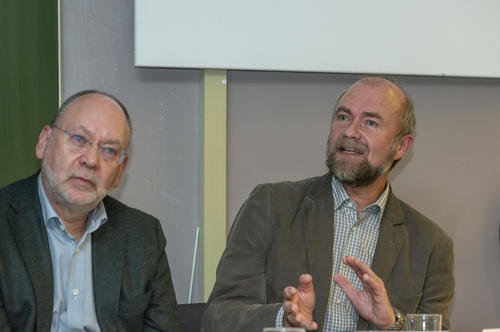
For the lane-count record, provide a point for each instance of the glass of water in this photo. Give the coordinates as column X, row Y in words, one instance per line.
column 424, row 322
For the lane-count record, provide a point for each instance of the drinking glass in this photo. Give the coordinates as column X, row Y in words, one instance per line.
column 424, row 322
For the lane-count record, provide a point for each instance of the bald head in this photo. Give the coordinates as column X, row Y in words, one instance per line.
column 73, row 98
column 397, row 94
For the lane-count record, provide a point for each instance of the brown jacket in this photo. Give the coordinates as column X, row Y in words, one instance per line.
column 286, row 229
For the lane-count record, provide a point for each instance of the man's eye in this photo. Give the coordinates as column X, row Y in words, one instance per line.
column 372, row 123
column 110, row 152
column 78, row 140
column 341, row 117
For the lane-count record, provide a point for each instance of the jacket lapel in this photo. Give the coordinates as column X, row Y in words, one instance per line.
column 318, row 224
column 25, row 218
column 109, row 246
column 392, row 235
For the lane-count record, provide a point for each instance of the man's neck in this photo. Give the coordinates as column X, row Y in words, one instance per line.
column 75, row 222
column 366, row 195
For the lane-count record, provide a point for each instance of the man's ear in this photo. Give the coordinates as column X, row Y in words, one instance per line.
column 404, row 145
column 43, row 141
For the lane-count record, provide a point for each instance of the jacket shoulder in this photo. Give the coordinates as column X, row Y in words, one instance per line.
column 422, row 226
column 19, row 186
column 270, row 205
column 313, row 186
column 23, row 192
column 128, row 217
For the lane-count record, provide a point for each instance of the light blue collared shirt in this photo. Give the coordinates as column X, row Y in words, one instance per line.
column 74, row 308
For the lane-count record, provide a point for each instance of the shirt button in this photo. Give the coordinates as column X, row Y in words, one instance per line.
column 62, row 227
column 76, row 292
column 78, row 250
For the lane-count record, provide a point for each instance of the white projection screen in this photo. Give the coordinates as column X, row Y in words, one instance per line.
column 438, row 38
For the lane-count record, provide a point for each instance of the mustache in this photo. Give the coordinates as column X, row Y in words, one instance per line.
column 348, row 144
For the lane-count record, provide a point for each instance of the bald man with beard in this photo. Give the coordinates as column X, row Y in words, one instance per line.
column 339, row 252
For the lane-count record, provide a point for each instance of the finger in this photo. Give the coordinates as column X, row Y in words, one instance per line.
column 303, row 322
column 346, row 286
column 289, row 293
column 357, row 265
column 363, row 272
column 373, row 284
column 299, row 320
column 292, row 319
column 359, row 268
column 312, row 326
column 290, row 307
column 305, row 283
column 370, row 281
column 351, row 263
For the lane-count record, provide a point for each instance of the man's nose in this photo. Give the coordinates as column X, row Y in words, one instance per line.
column 90, row 158
column 353, row 130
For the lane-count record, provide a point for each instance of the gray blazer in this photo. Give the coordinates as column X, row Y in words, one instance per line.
column 132, row 285
column 286, row 229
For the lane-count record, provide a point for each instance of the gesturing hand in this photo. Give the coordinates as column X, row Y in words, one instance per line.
column 372, row 302
column 299, row 304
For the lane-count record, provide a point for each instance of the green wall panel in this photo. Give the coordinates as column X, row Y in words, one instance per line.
column 28, row 81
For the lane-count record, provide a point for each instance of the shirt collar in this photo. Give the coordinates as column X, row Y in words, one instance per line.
column 95, row 219
column 339, row 193
column 340, row 196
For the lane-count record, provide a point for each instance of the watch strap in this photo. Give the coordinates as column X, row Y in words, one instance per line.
column 399, row 323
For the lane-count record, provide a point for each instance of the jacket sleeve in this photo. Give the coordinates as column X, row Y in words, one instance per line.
column 239, row 301
column 4, row 324
column 439, row 283
column 162, row 313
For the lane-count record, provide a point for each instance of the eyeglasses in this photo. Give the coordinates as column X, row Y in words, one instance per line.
column 80, row 143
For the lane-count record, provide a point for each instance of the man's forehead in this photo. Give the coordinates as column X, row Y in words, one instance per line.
column 377, row 85
column 98, row 111
column 96, row 100
column 90, row 105
column 380, row 92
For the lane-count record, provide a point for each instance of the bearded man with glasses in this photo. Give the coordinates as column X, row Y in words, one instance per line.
column 73, row 258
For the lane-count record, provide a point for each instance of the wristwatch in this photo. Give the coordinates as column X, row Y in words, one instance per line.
column 399, row 323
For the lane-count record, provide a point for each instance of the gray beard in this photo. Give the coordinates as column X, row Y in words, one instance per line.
column 359, row 174
column 60, row 197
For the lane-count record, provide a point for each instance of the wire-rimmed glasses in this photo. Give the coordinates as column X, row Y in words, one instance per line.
column 80, row 143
